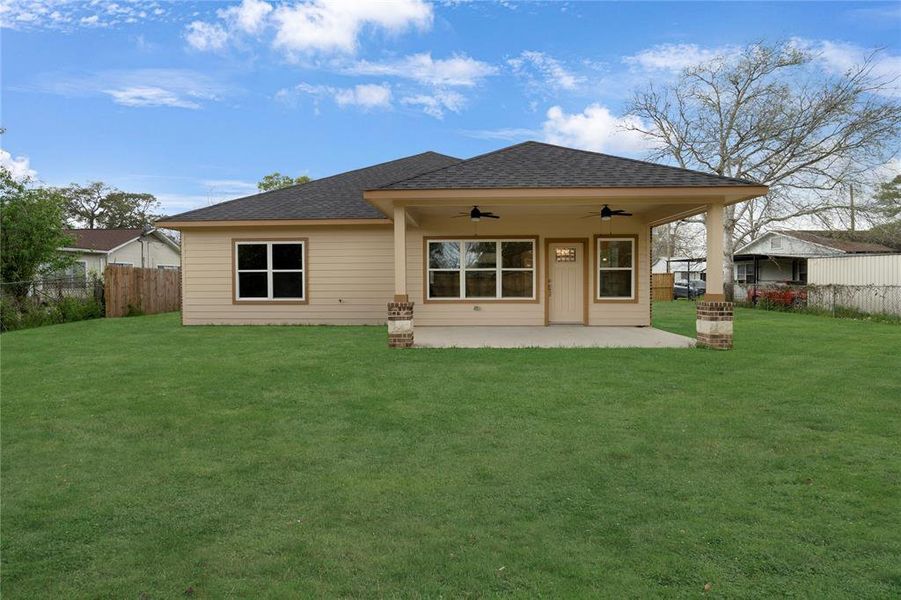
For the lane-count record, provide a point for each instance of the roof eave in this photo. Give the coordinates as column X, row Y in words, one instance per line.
column 180, row 225
column 384, row 198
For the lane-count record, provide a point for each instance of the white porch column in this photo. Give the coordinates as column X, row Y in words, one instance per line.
column 400, row 311
column 400, row 254
column 715, row 252
column 714, row 314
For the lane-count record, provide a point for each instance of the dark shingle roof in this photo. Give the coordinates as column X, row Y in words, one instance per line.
column 336, row 197
column 100, row 239
column 853, row 242
column 539, row 165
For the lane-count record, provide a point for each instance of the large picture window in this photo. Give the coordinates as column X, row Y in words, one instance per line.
column 481, row 269
column 273, row 270
column 615, row 268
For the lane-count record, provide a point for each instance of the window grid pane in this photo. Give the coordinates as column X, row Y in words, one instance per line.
column 480, row 274
column 616, row 269
column 264, row 281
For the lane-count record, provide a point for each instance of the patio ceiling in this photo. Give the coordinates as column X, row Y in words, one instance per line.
column 655, row 206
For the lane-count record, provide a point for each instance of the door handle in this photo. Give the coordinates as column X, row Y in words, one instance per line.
column 548, row 288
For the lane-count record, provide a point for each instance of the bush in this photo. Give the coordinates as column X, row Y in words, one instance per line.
column 29, row 312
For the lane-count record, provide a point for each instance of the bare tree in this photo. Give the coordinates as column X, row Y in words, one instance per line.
column 768, row 115
column 675, row 239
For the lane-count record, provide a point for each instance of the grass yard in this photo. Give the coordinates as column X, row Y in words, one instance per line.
column 143, row 459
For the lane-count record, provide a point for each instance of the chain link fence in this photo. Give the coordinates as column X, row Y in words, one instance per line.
column 45, row 301
column 853, row 301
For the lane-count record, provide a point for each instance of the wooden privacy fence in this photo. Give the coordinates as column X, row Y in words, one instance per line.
column 134, row 291
column 662, row 285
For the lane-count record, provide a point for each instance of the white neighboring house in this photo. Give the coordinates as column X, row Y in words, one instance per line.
column 96, row 248
column 780, row 257
column 684, row 268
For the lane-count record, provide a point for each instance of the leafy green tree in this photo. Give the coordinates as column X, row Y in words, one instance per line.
column 32, row 222
column 99, row 206
column 276, row 180
column 887, row 199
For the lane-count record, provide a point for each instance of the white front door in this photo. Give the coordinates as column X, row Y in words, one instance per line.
column 566, row 281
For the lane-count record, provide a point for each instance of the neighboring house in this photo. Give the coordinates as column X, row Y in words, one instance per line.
column 411, row 231
column 780, row 257
column 683, row 268
column 96, row 248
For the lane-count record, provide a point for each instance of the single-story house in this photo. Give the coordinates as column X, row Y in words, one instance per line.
column 684, row 268
column 96, row 248
column 780, row 257
column 529, row 235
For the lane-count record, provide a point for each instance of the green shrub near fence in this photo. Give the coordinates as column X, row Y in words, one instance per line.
column 28, row 312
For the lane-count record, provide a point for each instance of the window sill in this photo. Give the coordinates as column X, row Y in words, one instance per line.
column 235, row 301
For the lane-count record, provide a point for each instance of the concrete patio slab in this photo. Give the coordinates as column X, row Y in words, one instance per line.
column 554, row 336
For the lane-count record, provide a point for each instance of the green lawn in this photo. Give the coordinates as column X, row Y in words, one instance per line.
column 141, row 457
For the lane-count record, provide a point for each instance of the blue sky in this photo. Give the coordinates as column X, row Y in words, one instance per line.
column 194, row 102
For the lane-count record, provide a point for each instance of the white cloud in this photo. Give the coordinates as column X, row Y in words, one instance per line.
column 206, row 36
column 675, row 57
column 436, row 103
column 334, row 26
column 459, row 70
column 230, row 187
column 365, row 96
column 311, row 26
column 63, row 15
column 150, row 96
column 541, row 70
column 837, row 58
column 249, row 16
column 18, row 167
column 178, row 88
column 595, row 128
column 506, row 133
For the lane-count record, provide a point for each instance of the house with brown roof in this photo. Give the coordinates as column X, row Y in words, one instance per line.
column 96, row 248
column 528, row 236
column 780, row 257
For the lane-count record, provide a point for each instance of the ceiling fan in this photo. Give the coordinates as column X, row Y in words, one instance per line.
column 476, row 215
column 607, row 213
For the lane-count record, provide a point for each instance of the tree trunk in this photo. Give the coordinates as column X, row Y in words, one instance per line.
column 728, row 250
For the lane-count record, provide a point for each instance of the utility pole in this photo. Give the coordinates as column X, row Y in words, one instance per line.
column 852, row 208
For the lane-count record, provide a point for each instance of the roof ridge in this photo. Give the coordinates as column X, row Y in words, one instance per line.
column 461, row 161
column 580, row 150
column 636, row 160
column 103, row 229
column 314, row 181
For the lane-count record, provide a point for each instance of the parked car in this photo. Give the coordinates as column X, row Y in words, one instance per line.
column 689, row 289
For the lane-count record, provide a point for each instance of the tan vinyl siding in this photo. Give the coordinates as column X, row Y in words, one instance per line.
column 527, row 313
column 350, row 277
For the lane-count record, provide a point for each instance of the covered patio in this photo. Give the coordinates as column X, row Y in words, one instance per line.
column 557, row 336
column 585, row 221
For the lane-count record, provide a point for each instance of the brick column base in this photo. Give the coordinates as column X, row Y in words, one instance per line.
column 400, row 324
column 714, row 324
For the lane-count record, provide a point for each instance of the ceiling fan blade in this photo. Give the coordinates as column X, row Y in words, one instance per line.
column 591, row 214
column 460, row 216
column 622, row 213
column 489, row 216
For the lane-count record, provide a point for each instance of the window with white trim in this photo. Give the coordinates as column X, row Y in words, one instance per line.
column 481, row 269
column 270, row 270
column 744, row 273
column 616, row 269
